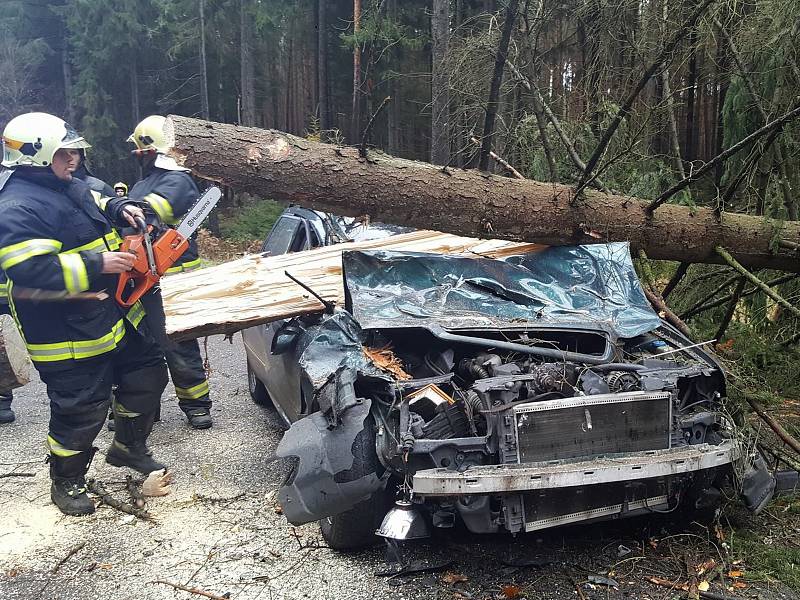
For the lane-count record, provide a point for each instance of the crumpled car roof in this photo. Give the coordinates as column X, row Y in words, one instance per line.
column 593, row 286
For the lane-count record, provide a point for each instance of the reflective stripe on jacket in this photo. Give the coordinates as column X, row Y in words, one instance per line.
column 170, row 194
column 51, row 237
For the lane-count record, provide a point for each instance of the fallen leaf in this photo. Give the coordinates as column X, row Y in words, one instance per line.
column 739, row 585
column 105, row 566
column 12, row 572
column 278, row 510
column 719, row 533
column 706, row 566
column 653, row 543
column 703, row 586
column 735, row 574
column 452, row 578
column 510, row 591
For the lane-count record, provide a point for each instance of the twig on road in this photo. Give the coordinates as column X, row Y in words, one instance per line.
column 192, row 590
column 5, row 475
column 96, row 487
column 72, row 552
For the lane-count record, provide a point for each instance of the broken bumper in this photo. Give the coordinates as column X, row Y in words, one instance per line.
column 494, row 479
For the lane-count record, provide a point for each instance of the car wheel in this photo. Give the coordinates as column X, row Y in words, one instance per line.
column 355, row 528
column 257, row 390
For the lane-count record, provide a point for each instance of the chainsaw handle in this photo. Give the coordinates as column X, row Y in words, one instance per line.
column 129, row 293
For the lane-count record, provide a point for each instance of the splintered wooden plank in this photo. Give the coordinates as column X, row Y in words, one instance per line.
column 255, row 290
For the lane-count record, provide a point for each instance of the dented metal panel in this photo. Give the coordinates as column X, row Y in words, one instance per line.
column 533, row 476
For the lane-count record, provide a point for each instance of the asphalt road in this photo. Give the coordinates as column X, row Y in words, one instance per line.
column 219, row 530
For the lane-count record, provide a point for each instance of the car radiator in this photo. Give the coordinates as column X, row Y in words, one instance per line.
column 588, row 426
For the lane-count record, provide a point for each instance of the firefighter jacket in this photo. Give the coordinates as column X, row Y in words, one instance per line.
column 170, row 193
column 51, row 237
column 100, row 189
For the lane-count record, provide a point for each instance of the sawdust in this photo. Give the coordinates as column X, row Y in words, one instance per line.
column 385, row 359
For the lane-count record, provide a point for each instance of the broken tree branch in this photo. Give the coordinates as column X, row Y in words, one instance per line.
column 72, row 552
column 675, row 279
column 737, row 294
column 191, row 590
column 757, row 282
column 96, row 487
column 580, row 166
column 769, row 127
column 499, row 160
column 7, row 475
column 720, row 301
column 362, row 149
column 785, row 436
column 712, row 294
column 627, row 105
column 665, row 312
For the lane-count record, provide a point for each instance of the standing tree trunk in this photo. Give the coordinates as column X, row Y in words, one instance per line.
column 355, row 126
column 322, row 65
column 248, row 116
column 440, row 84
column 497, row 80
column 393, row 110
column 271, row 164
column 204, row 110
column 691, row 127
column 66, row 71
column 674, row 140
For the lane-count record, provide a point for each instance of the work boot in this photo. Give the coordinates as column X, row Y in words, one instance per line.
column 199, row 418
column 129, row 448
column 136, row 457
column 6, row 414
column 68, row 486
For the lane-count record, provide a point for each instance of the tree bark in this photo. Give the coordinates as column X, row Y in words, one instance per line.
column 497, row 79
column 440, row 84
column 355, row 124
column 273, row 164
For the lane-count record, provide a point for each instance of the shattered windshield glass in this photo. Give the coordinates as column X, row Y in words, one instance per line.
column 590, row 286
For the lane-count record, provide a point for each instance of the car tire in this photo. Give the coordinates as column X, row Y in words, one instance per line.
column 257, row 390
column 354, row 529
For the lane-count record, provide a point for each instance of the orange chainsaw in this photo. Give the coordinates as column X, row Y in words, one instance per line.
column 157, row 249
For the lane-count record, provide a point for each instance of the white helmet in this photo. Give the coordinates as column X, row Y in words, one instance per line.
column 149, row 135
column 31, row 140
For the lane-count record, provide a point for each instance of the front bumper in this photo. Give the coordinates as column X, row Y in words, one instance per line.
column 498, row 479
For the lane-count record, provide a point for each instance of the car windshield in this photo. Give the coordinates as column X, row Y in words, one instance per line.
column 589, row 286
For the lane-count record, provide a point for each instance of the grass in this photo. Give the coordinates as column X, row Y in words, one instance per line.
column 251, row 222
column 770, row 555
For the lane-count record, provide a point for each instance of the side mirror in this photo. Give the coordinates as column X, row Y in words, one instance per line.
column 286, row 337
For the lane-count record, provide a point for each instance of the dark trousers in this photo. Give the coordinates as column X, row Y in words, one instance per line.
column 80, row 390
column 184, row 360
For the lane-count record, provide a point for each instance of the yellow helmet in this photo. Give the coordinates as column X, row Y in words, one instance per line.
column 31, row 140
column 149, row 135
column 120, row 185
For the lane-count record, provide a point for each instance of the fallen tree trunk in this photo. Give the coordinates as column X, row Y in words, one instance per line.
column 272, row 164
column 255, row 289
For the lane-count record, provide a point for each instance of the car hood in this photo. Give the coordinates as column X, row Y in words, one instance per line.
column 593, row 286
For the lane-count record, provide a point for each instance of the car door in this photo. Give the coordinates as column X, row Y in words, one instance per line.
column 281, row 373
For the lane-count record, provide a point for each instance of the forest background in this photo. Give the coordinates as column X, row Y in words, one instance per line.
column 537, row 81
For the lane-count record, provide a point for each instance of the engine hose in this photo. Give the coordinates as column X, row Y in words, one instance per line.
column 588, row 359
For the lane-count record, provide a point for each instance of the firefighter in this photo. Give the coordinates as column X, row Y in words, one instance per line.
column 120, row 189
column 54, row 236
column 6, row 396
column 170, row 191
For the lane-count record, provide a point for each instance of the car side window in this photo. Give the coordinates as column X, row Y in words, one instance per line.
column 284, row 234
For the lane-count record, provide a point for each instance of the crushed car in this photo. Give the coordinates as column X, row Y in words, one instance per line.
column 507, row 395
